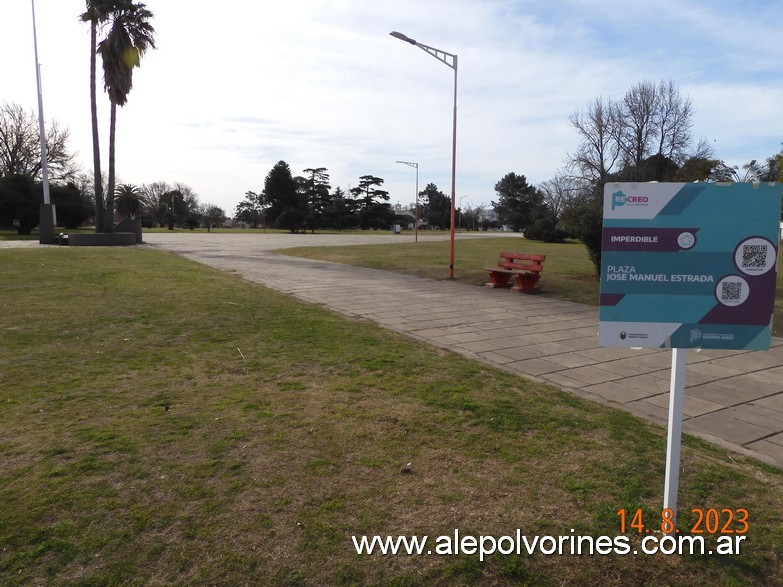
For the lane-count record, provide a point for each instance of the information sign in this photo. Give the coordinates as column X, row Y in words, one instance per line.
column 687, row 265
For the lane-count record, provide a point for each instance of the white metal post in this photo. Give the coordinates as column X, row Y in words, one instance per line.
column 416, row 225
column 41, row 128
column 674, row 437
column 453, row 171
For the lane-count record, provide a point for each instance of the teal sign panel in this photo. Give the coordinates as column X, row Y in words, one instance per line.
column 689, row 265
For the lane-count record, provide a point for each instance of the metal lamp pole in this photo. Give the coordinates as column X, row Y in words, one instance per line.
column 48, row 216
column 416, row 226
column 41, row 130
column 450, row 60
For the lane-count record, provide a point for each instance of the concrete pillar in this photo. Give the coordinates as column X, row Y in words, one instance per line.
column 46, row 224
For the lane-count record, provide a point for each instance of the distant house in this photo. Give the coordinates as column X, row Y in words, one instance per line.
column 408, row 216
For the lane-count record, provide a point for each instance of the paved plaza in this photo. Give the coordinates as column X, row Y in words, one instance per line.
column 732, row 398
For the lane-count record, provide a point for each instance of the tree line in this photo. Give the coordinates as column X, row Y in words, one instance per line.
column 307, row 202
column 160, row 204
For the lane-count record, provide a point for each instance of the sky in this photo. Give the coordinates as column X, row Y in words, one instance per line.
column 320, row 83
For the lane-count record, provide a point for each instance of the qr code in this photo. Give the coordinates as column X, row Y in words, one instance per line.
column 731, row 291
column 754, row 256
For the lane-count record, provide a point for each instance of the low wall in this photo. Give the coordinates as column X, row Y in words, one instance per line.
column 129, row 225
column 102, row 239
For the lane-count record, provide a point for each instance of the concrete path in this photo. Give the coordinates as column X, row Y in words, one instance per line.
column 734, row 399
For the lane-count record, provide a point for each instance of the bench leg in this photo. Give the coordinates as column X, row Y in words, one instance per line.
column 527, row 283
column 499, row 279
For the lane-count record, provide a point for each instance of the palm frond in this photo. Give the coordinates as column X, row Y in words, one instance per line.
column 129, row 37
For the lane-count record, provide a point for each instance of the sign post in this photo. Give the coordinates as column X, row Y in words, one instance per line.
column 688, row 265
column 674, row 436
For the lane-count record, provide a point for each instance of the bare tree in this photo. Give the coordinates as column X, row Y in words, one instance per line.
column 645, row 136
column 471, row 216
column 598, row 151
column 561, row 191
column 153, row 202
column 674, row 123
column 20, row 150
column 635, row 128
column 212, row 215
column 649, row 122
column 188, row 194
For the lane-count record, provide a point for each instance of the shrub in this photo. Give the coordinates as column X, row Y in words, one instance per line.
column 291, row 219
column 544, row 230
column 20, row 200
column 72, row 206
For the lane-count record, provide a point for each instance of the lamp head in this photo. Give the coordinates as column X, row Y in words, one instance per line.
column 402, row 37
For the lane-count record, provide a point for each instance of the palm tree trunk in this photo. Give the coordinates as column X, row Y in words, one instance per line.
column 96, row 147
column 108, row 223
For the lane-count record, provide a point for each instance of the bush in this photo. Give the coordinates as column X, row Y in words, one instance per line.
column 21, row 198
column 544, row 230
column 291, row 219
column 72, row 207
column 20, row 203
column 585, row 221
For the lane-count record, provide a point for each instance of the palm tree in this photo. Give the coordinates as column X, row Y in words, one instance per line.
column 97, row 13
column 128, row 201
column 128, row 39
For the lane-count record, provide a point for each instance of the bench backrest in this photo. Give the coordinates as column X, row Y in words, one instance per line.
column 522, row 262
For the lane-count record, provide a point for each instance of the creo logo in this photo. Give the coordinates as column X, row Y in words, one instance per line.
column 620, row 199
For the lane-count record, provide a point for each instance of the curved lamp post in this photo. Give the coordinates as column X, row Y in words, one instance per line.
column 416, row 226
column 450, row 60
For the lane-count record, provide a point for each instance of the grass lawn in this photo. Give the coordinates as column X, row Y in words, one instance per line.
column 568, row 272
column 166, row 423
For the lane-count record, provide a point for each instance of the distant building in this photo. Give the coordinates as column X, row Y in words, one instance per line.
column 490, row 214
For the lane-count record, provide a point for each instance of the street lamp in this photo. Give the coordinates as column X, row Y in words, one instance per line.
column 460, row 211
column 416, row 225
column 451, row 61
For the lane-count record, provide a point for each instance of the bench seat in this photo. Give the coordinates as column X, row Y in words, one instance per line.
column 525, row 268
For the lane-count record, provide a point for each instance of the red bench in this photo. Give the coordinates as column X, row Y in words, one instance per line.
column 524, row 268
